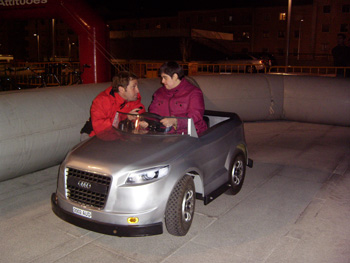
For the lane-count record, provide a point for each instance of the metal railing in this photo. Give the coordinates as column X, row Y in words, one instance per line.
column 143, row 69
column 208, row 68
column 150, row 69
column 312, row 70
column 30, row 75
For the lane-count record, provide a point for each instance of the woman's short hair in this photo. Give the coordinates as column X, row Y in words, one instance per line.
column 170, row 68
column 122, row 79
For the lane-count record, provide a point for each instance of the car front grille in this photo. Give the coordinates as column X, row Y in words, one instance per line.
column 86, row 188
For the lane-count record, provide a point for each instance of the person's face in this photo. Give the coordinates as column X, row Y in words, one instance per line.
column 170, row 82
column 130, row 92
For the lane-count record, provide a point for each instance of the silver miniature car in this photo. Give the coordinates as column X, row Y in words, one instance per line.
column 137, row 176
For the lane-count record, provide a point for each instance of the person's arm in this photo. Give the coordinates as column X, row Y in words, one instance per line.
column 154, row 107
column 195, row 109
column 100, row 116
column 138, row 109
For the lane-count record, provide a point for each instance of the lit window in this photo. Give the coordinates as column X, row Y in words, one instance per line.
column 282, row 16
column 246, row 35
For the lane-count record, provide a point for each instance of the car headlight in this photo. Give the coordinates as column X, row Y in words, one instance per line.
column 147, row 175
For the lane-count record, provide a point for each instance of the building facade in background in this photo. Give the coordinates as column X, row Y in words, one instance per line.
column 196, row 35
column 38, row 40
column 312, row 34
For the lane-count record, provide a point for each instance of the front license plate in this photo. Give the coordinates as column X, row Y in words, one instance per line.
column 82, row 212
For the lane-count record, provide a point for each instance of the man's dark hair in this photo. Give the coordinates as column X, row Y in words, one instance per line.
column 122, row 79
column 170, row 68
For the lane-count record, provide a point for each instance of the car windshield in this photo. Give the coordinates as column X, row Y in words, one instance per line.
column 150, row 123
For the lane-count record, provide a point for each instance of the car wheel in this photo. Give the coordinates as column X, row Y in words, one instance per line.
column 237, row 173
column 180, row 207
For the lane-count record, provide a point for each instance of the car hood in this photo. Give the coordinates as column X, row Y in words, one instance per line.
column 114, row 151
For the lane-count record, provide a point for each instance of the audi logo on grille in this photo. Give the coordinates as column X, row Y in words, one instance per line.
column 84, row 184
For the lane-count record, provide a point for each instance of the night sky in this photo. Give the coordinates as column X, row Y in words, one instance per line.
column 115, row 9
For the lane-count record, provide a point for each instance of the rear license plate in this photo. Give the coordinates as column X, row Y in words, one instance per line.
column 82, row 212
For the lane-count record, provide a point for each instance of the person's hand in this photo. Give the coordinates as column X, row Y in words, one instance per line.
column 143, row 124
column 168, row 122
column 141, row 127
column 135, row 111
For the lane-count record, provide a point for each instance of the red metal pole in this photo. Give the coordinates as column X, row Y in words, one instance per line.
column 91, row 29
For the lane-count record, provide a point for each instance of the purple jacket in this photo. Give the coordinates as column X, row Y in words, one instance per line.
column 186, row 100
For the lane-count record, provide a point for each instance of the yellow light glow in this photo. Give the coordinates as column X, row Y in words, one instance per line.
column 133, row 220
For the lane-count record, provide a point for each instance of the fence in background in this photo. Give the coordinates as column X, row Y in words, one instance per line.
column 32, row 75
column 312, row 70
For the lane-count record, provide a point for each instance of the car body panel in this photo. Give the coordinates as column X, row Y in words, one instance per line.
column 243, row 61
column 103, row 164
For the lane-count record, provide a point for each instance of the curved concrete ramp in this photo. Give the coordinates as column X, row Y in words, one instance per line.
column 253, row 97
column 317, row 100
column 39, row 126
column 270, row 97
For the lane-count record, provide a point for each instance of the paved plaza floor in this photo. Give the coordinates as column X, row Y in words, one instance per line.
column 294, row 207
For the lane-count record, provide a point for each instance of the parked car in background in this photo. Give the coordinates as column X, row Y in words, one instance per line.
column 268, row 58
column 138, row 175
column 242, row 62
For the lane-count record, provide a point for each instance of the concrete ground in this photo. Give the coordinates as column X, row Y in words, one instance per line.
column 294, row 207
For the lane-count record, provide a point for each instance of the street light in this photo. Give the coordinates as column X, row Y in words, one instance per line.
column 288, row 30
column 38, row 41
column 301, row 20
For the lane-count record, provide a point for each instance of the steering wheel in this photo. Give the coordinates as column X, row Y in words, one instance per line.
column 154, row 124
column 126, row 125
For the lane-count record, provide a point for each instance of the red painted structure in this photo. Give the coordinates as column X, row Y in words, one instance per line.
column 91, row 29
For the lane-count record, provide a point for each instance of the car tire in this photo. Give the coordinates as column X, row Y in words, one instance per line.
column 237, row 173
column 180, row 207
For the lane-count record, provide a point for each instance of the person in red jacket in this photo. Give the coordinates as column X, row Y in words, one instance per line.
column 123, row 96
column 179, row 98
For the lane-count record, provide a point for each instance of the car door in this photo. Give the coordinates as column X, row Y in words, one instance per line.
column 211, row 153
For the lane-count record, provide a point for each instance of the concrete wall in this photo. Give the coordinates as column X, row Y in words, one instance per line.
column 39, row 126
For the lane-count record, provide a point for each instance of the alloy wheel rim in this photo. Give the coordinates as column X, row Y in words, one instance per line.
column 187, row 206
column 237, row 172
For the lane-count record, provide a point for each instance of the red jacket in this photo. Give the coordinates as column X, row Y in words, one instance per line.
column 185, row 100
column 105, row 106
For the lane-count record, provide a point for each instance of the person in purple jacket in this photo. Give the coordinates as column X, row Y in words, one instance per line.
column 179, row 98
